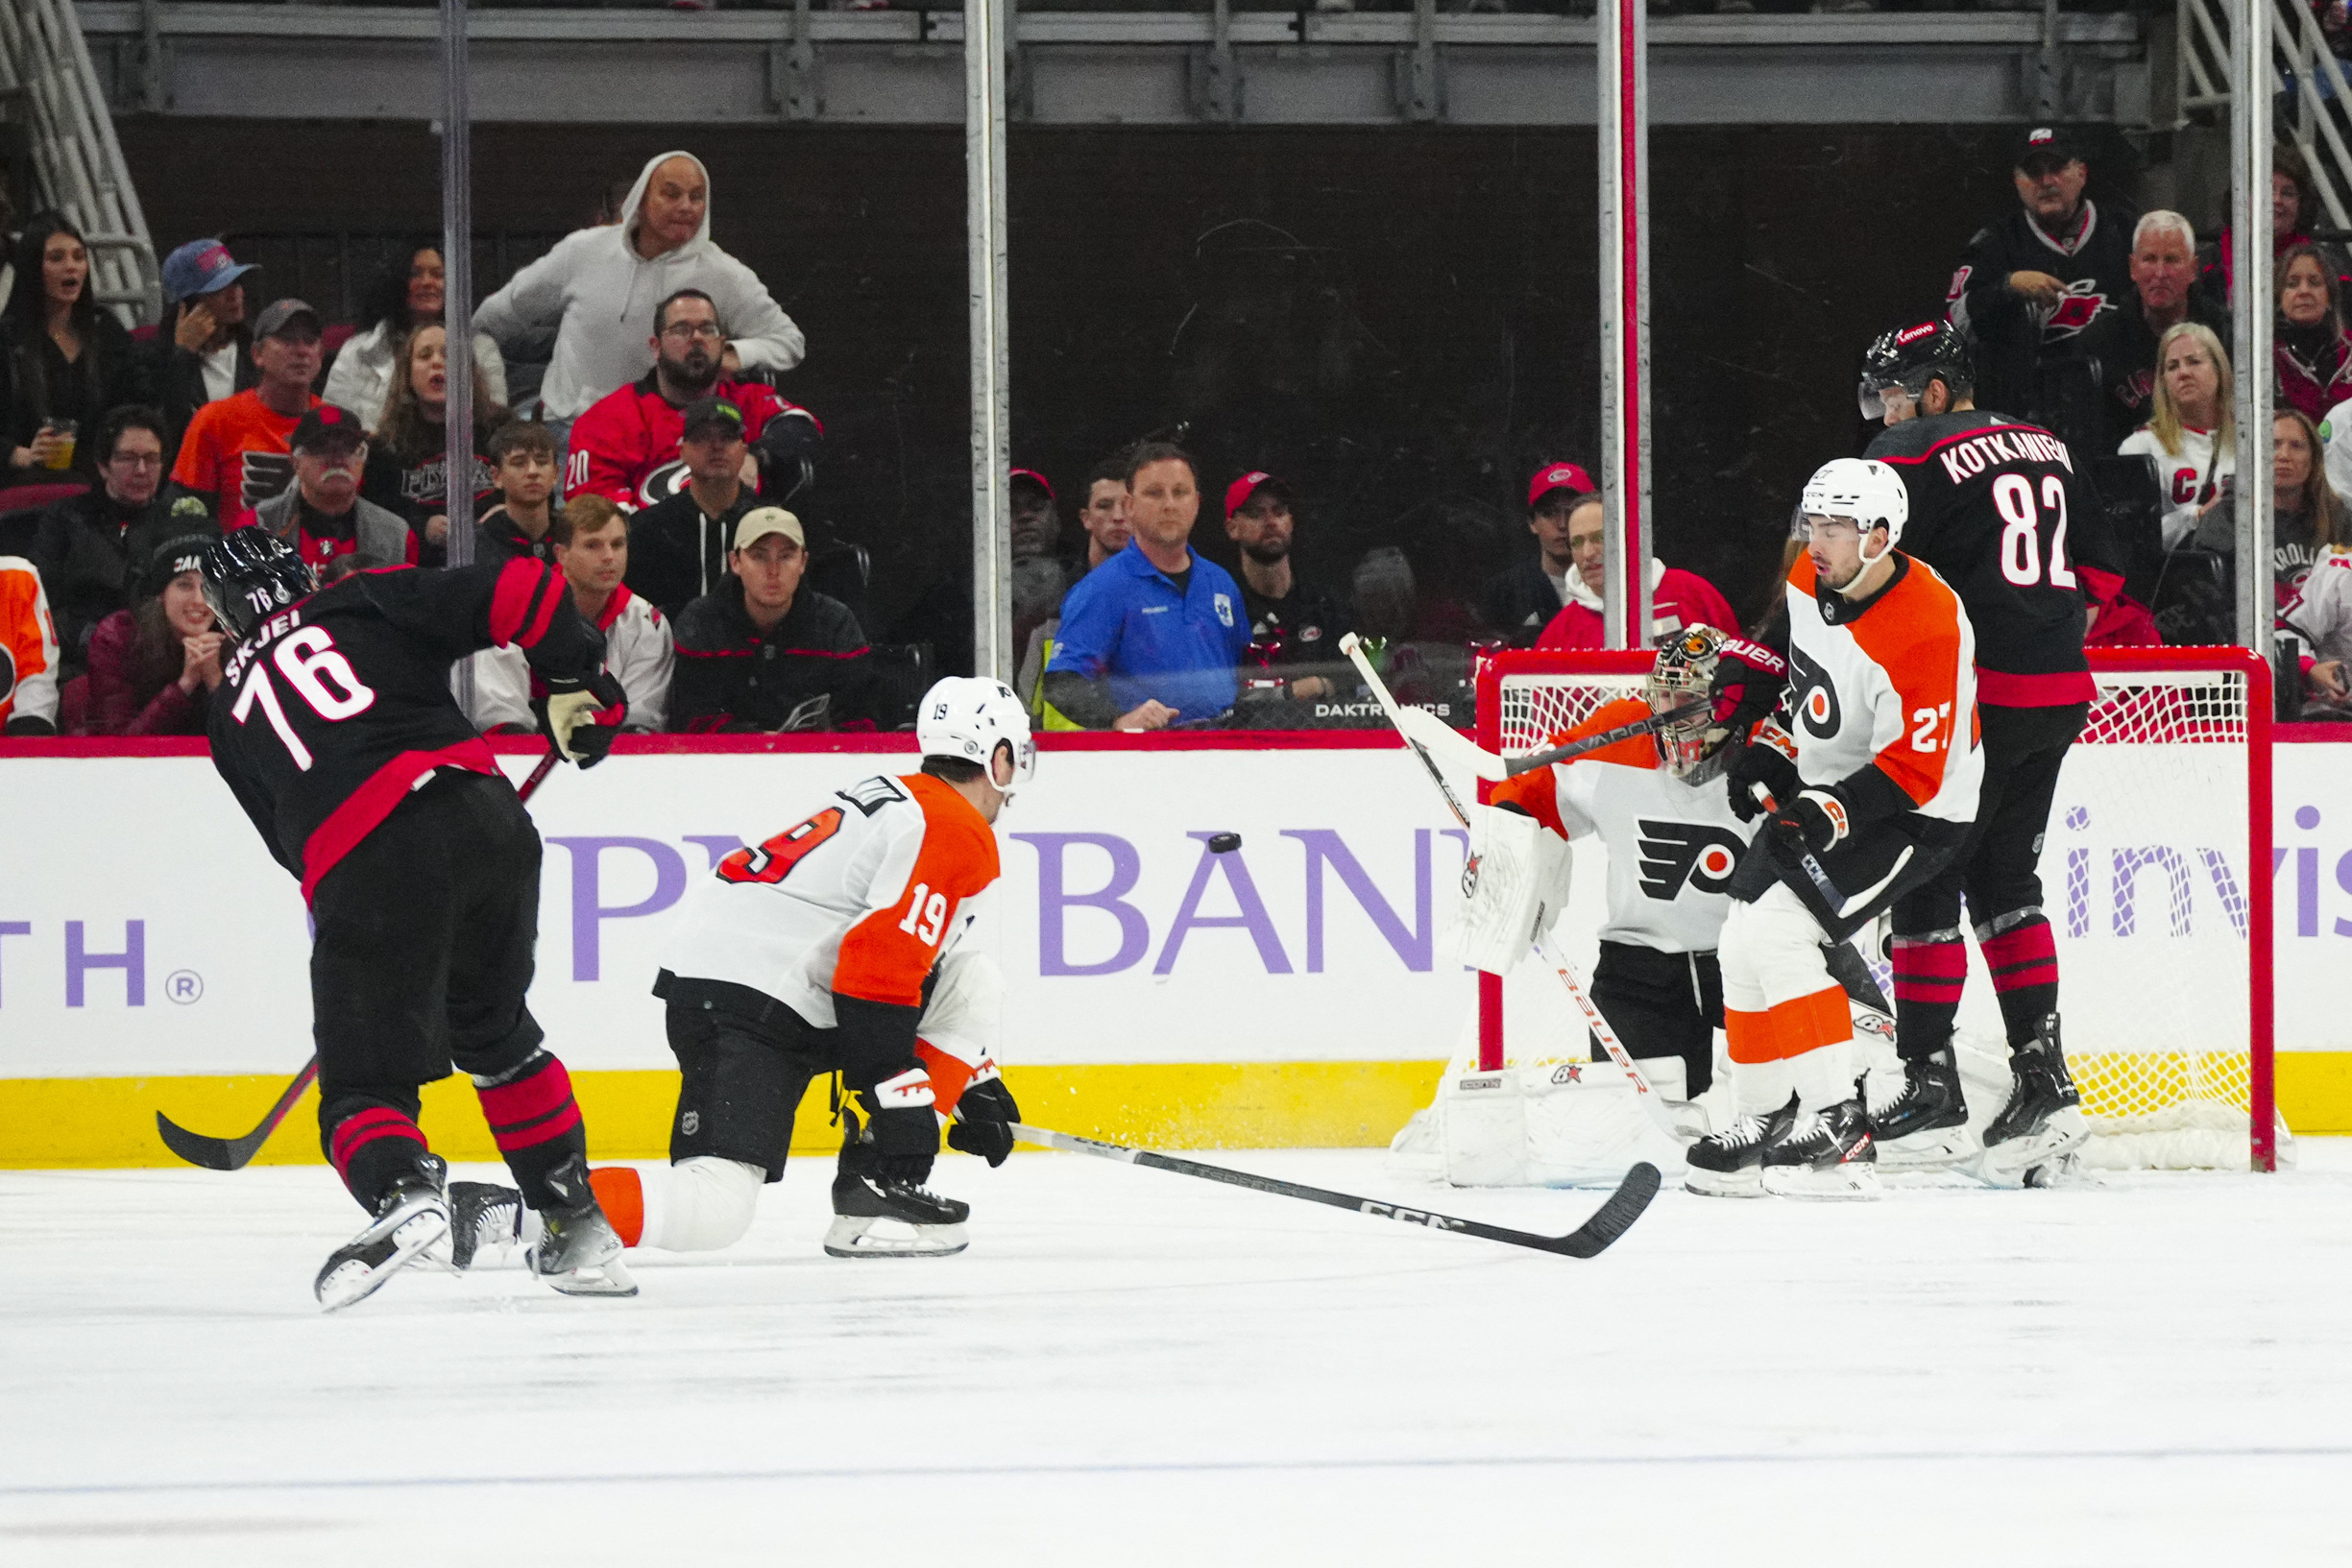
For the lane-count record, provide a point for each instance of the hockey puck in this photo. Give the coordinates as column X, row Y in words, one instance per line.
column 1224, row 843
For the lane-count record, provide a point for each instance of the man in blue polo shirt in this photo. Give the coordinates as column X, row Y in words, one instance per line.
column 1151, row 638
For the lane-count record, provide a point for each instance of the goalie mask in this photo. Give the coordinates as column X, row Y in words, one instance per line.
column 968, row 716
column 1730, row 682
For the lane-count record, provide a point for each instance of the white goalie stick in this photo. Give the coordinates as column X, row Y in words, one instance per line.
column 1551, row 957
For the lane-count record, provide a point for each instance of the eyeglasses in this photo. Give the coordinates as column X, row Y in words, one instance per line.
column 689, row 331
column 136, row 460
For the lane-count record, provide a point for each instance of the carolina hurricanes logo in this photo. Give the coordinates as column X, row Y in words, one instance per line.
column 1675, row 853
column 1813, row 697
column 664, row 482
column 2077, row 308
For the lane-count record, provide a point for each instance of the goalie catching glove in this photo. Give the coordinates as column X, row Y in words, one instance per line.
column 574, row 713
column 1516, row 880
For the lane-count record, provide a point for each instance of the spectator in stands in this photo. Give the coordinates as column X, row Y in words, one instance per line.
column 625, row 447
column 153, row 666
column 2320, row 614
column 1525, row 599
column 2307, row 522
column 204, row 352
column 404, row 299
column 407, row 466
column 8, row 246
column 63, row 362
column 321, row 515
column 2294, row 201
column 678, row 547
column 2122, row 342
column 2192, row 434
column 1677, row 598
column 1040, row 576
column 588, row 291
column 592, row 550
column 28, row 652
column 1153, row 638
column 760, row 653
column 1291, row 622
column 236, row 451
column 2312, row 350
column 2028, row 285
column 522, row 462
column 88, row 547
column 1104, row 517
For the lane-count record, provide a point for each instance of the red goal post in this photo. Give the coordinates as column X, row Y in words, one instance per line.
column 2156, row 875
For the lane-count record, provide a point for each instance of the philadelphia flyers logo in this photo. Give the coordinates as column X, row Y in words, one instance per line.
column 8, row 672
column 1813, row 696
column 1694, row 853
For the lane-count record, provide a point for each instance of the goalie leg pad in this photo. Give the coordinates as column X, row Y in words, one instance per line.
column 1517, row 878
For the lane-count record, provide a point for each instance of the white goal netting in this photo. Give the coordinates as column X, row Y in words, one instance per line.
column 2152, row 859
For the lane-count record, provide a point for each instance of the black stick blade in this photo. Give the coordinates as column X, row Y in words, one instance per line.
column 211, row 1153
column 1614, row 1217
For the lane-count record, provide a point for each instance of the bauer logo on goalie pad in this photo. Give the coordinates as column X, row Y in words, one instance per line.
column 1675, row 853
column 1568, row 1073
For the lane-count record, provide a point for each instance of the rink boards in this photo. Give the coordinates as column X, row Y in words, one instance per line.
column 1296, row 991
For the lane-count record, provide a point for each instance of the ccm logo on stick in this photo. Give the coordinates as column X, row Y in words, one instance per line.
column 1411, row 1217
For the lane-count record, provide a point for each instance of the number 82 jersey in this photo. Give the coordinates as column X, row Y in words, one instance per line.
column 862, row 896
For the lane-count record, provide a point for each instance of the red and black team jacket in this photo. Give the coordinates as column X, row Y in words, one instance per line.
column 2091, row 256
column 336, row 707
column 1997, row 510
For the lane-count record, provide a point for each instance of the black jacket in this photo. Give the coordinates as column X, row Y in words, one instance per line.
column 89, row 552
column 36, row 385
column 178, row 377
column 1520, row 603
column 2092, row 258
column 678, row 552
column 2123, row 347
column 812, row 670
column 498, row 537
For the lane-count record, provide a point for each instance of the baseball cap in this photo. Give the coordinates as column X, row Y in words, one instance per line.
column 705, row 412
column 762, row 520
column 201, row 266
column 1239, row 493
column 324, row 423
column 280, row 314
column 1559, row 477
column 2047, row 146
column 1037, row 479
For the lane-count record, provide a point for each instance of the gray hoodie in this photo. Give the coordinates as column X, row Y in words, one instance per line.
column 597, row 294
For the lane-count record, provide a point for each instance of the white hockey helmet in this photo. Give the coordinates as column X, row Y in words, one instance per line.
column 967, row 716
column 1863, row 491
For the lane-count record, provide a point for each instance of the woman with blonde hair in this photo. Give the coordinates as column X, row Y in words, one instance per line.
column 2192, row 434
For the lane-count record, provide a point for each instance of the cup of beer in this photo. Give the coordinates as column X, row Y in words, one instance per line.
column 61, row 457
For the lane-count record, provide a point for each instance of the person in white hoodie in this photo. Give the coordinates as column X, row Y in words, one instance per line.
column 599, row 287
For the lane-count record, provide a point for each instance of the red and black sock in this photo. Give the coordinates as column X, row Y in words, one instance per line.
column 1930, row 970
column 2024, row 958
column 370, row 1144
column 536, row 1122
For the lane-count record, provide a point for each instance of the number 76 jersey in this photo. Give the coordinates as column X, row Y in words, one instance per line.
column 860, row 896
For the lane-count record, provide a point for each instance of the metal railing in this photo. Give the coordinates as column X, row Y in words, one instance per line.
column 2306, row 83
column 48, row 85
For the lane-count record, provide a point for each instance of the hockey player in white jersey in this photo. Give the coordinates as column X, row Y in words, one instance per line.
column 834, row 945
column 1871, row 785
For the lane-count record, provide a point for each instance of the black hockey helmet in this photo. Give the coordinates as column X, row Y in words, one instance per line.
column 252, row 574
column 1910, row 357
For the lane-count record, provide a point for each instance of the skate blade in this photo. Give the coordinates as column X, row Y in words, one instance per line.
column 2011, row 1162
column 854, row 1235
column 609, row 1278
column 1931, row 1150
column 353, row 1280
column 1743, row 1183
column 1848, row 1183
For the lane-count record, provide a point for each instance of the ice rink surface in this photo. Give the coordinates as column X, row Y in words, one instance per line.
column 1130, row 1368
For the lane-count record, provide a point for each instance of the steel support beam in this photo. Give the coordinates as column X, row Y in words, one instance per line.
column 1622, row 87
column 986, row 39
column 2249, row 298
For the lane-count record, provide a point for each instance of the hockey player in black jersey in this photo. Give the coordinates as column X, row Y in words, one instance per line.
column 335, row 728
column 1997, row 510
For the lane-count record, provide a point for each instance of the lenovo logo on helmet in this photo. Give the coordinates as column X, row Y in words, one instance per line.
column 1912, row 334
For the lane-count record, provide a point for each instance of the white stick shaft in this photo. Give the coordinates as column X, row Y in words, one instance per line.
column 1650, row 1101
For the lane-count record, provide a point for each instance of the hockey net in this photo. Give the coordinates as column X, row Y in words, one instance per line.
column 2155, row 878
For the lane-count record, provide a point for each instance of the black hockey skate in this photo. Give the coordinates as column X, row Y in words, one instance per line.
column 1730, row 1164
column 1826, row 1154
column 485, row 1223
column 914, row 1222
column 578, row 1251
column 1926, row 1126
column 2042, row 1125
column 412, row 1216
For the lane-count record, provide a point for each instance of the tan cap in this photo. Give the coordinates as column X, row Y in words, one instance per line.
column 762, row 520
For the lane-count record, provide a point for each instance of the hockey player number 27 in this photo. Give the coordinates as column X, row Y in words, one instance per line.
column 2020, row 536
column 322, row 678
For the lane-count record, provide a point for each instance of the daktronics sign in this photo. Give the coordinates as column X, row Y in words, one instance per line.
column 144, row 929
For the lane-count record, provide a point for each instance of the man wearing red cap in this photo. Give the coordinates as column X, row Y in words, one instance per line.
column 1291, row 624
column 1566, row 515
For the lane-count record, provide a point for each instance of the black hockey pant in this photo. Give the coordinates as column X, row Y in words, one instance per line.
column 744, row 1062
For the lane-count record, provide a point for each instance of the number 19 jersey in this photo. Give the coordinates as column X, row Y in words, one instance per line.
column 862, row 896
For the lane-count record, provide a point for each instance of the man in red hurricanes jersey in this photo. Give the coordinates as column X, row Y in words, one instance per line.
column 838, row 945
column 625, row 446
column 334, row 728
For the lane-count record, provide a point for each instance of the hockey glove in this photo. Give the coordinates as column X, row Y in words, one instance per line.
column 1749, row 679
column 1813, row 818
column 983, row 1121
column 1769, row 760
column 1514, row 883
column 569, row 716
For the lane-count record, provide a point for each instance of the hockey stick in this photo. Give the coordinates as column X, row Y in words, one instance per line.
column 1610, row 1220
column 236, row 1153
column 1806, row 861
column 1650, row 1099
